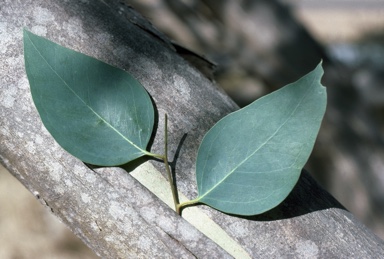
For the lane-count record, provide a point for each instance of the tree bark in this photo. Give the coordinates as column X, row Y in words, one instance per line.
column 259, row 46
column 110, row 210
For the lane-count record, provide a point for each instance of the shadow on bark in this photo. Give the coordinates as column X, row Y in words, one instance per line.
column 306, row 197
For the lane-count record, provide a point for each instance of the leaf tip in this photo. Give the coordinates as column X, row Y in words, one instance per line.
column 26, row 32
column 319, row 68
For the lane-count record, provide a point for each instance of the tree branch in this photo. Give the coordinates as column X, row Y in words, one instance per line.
column 107, row 208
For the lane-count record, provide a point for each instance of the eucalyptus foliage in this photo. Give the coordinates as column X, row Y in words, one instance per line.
column 95, row 111
column 246, row 164
column 251, row 159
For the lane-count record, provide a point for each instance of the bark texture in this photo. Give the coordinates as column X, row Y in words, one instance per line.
column 259, row 46
column 107, row 208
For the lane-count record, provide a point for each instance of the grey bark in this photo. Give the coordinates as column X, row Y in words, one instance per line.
column 107, row 208
column 259, row 46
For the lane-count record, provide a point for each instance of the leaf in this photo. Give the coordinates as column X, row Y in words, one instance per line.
column 251, row 159
column 95, row 111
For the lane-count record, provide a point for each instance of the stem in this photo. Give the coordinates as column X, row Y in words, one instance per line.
column 167, row 167
column 154, row 155
column 181, row 206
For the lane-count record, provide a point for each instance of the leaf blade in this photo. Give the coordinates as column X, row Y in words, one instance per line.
column 96, row 112
column 251, row 174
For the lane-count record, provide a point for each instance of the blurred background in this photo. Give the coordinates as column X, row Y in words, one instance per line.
column 259, row 46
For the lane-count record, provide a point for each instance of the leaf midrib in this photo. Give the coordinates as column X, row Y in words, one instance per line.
column 90, row 108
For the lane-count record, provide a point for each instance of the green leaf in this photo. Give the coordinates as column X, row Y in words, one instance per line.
column 95, row 111
column 250, row 160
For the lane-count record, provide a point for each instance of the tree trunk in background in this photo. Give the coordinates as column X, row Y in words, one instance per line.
column 108, row 208
column 259, row 46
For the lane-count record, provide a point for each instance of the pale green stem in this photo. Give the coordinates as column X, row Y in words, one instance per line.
column 154, row 155
column 170, row 178
column 182, row 205
column 167, row 166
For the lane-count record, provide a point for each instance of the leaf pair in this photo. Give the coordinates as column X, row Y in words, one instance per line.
column 246, row 164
